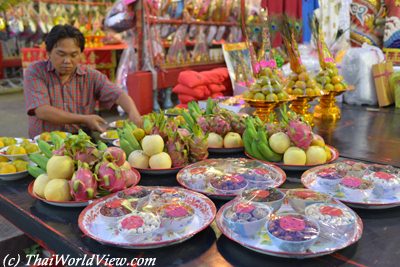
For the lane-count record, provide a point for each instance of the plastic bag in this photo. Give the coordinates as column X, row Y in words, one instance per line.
column 120, row 18
column 127, row 63
column 177, row 53
column 201, row 52
column 357, row 71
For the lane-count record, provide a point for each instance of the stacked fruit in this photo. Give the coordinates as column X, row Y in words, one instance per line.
column 330, row 80
column 222, row 127
column 301, row 84
column 77, row 169
column 268, row 87
column 290, row 139
column 163, row 143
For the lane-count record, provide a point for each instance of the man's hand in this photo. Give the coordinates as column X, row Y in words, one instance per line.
column 95, row 123
column 136, row 119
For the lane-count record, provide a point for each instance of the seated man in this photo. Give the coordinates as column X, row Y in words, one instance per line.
column 61, row 94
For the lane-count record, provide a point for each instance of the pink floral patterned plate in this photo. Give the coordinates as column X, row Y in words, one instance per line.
column 198, row 176
column 93, row 226
column 327, row 241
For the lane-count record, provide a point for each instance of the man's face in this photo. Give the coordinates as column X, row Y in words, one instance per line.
column 65, row 56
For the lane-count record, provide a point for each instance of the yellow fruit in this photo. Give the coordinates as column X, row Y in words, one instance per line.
column 300, row 84
column 3, row 159
column 248, row 94
column 339, row 87
column 7, row 169
column 298, row 91
column 31, row 148
column 119, row 123
column 160, row 161
column 329, row 87
column 310, row 92
column 57, row 190
column 9, row 141
column 303, row 76
column 311, row 83
column 271, row 97
column 20, row 165
column 112, row 134
column 63, row 135
column 60, row 167
column 259, row 96
column 40, row 184
column 139, row 134
column 45, row 136
column 328, row 153
column 337, row 79
column 1, row 144
column 15, row 150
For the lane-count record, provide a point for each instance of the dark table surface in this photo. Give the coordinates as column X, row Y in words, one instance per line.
column 370, row 136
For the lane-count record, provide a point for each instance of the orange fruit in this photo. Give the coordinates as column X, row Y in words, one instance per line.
column 303, row 76
column 329, row 87
column 271, row 97
column 259, row 96
column 298, row 91
column 310, row 92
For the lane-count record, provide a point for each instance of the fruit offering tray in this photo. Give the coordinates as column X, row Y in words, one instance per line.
column 147, row 217
column 304, row 224
column 368, row 186
column 228, row 177
column 289, row 167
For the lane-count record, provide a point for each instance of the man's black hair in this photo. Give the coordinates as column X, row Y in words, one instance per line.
column 60, row 32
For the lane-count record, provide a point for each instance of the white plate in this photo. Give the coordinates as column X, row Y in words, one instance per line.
column 116, row 143
column 14, row 157
column 262, row 243
column 92, row 226
column 103, row 136
column 13, row 176
column 37, row 137
column 310, row 180
column 186, row 177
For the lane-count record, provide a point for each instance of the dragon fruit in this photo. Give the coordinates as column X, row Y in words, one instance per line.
column 89, row 155
column 110, row 177
column 238, row 124
column 60, row 152
column 184, row 132
column 300, row 133
column 83, row 184
column 128, row 175
column 203, row 123
column 198, row 145
column 219, row 125
column 115, row 155
column 273, row 128
column 177, row 149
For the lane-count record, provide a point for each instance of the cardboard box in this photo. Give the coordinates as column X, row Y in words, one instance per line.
column 381, row 73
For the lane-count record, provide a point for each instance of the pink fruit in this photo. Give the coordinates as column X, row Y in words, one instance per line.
column 83, row 184
column 300, row 133
column 129, row 176
column 115, row 155
column 110, row 177
column 89, row 155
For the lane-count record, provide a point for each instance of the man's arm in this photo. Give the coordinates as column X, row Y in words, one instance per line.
column 127, row 104
column 58, row 116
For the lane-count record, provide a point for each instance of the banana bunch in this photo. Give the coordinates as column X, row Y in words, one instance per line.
column 256, row 142
column 40, row 159
column 127, row 139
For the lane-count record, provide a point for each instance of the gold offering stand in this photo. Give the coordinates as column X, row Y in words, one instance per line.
column 327, row 108
column 265, row 108
column 301, row 106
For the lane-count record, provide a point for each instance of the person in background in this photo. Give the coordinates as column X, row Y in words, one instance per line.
column 61, row 94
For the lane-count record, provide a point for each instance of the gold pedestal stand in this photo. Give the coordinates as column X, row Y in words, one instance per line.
column 264, row 108
column 301, row 106
column 327, row 108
